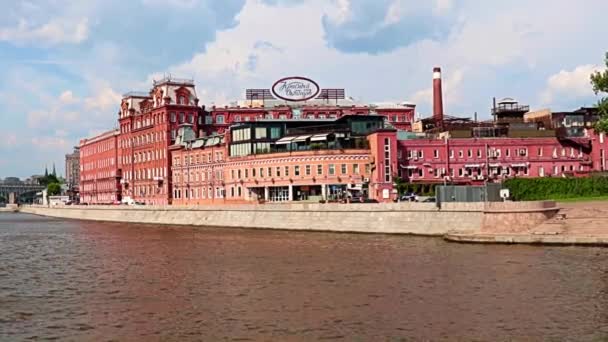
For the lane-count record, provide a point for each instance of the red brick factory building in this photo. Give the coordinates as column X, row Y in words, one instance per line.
column 299, row 142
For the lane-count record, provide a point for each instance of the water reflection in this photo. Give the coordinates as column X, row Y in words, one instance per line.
column 72, row 280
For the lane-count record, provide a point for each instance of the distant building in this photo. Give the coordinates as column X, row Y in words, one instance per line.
column 99, row 173
column 72, row 169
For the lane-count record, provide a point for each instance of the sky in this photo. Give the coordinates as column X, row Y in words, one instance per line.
column 65, row 63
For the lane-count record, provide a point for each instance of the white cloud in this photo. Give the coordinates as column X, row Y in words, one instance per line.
column 104, row 99
column 9, row 140
column 51, row 143
column 55, row 31
column 442, row 6
column 575, row 83
column 341, row 13
column 67, row 97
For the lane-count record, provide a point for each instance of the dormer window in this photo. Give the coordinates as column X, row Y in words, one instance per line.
column 182, row 100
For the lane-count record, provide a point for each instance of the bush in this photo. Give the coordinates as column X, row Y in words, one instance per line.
column 532, row 189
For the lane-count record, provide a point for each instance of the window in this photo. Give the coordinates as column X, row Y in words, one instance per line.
column 508, row 152
column 191, row 118
column 182, row 117
column 356, row 169
column 260, row 132
column 469, row 153
column 237, row 118
column 173, row 117
column 286, row 171
column 436, row 153
column 296, row 170
column 319, row 169
column 261, row 172
column 219, row 119
column 343, row 169
column 540, row 151
column 308, row 170
column 451, row 153
column 460, row 173
column 269, row 172
column 278, row 171
column 332, row 169
column 460, row 154
column 478, row 153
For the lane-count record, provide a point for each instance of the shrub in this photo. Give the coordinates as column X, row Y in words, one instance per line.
column 531, row 189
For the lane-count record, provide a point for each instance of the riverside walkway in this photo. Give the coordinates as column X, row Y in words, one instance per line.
column 580, row 223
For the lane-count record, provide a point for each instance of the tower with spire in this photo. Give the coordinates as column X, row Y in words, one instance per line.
column 46, row 171
column 54, row 172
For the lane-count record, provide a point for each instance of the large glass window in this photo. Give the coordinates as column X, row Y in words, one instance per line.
column 332, row 169
column 275, row 132
column 219, row 119
column 260, row 132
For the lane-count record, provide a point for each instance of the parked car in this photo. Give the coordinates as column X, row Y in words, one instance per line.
column 409, row 197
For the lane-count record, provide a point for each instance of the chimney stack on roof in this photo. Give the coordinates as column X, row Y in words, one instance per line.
column 437, row 97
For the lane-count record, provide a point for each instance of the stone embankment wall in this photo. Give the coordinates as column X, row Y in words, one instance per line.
column 392, row 218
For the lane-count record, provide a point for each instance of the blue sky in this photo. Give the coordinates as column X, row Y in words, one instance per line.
column 64, row 63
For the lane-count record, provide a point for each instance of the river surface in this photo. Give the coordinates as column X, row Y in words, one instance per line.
column 90, row 281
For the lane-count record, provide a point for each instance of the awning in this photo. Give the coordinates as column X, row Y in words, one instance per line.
column 471, row 166
column 319, row 137
column 284, row 141
column 519, row 165
column 301, row 138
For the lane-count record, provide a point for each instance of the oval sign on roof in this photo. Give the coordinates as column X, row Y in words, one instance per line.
column 295, row 89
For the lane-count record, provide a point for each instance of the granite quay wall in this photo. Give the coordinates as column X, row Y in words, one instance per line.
column 390, row 218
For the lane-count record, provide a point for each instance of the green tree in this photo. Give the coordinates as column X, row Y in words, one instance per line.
column 48, row 179
column 53, row 189
column 599, row 80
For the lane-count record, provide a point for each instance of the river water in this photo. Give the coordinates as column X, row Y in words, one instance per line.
column 91, row 281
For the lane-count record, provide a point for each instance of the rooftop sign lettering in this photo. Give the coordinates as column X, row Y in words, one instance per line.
column 295, row 89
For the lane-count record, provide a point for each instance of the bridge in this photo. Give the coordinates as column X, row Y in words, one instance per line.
column 23, row 192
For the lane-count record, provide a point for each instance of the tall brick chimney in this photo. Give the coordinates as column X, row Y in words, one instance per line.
column 437, row 97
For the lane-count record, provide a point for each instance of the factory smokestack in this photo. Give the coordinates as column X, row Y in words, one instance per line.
column 437, row 98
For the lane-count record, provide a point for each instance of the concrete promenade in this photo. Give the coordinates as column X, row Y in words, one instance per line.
column 581, row 223
column 391, row 218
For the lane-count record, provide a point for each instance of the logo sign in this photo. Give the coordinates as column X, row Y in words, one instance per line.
column 295, row 89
